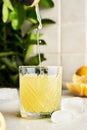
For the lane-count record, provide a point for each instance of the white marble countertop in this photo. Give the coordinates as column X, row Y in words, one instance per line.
column 9, row 106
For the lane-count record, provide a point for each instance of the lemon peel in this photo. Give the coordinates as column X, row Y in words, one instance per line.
column 2, row 122
column 82, row 71
column 79, row 79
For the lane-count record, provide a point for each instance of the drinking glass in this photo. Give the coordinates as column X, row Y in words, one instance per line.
column 40, row 90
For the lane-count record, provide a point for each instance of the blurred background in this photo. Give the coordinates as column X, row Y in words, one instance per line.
column 63, row 37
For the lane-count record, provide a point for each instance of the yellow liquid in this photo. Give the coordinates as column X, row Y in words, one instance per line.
column 40, row 94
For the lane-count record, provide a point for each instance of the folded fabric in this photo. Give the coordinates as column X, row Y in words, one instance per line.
column 8, row 94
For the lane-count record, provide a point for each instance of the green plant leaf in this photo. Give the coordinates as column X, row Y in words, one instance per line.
column 34, row 42
column 34, row 36
column 14, row 47
column 9, row 64
column 47, row 21
column 14, row 78
column 12, row 15
column 28, row 52
column 19, row 38
column 30, row 48
column 42, row 42
column 15, row 24
column 8, row 4
column 34, row 60
column 17, row 17
column 47, row 3
column 4, row 54
column 5, row 9
column 4, row 13
column 31, row 15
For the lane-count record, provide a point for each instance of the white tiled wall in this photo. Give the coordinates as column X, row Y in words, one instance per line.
column 73, row 36
column 67, row 39
column 51, row 35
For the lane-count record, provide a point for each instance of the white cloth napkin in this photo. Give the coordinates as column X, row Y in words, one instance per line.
column 9, row 100
column 8, row 94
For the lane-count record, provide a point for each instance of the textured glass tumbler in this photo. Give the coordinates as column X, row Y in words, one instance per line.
column 40, row 90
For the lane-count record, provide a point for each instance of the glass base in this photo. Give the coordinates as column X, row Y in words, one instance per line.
column 32, row 115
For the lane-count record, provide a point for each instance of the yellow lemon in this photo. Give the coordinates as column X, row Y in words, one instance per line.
column 84, row 86
column 81, row 75
column 79, row 85
column 2, row 122
column 77, row 89
column 82, row 71
column 79, row 79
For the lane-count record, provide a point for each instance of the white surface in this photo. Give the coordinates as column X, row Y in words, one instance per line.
column 8, row 94
column 61, row 117
column 10, row 109
column 75, row 105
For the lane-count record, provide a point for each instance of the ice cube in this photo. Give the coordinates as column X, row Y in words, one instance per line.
column 61, row 117
column 74, row 105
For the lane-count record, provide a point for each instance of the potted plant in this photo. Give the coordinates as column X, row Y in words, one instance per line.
column 16, row 46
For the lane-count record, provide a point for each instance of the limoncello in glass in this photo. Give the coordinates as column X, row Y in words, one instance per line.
column 40, row 90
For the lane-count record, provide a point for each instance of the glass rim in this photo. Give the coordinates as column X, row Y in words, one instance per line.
column 48, row 66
